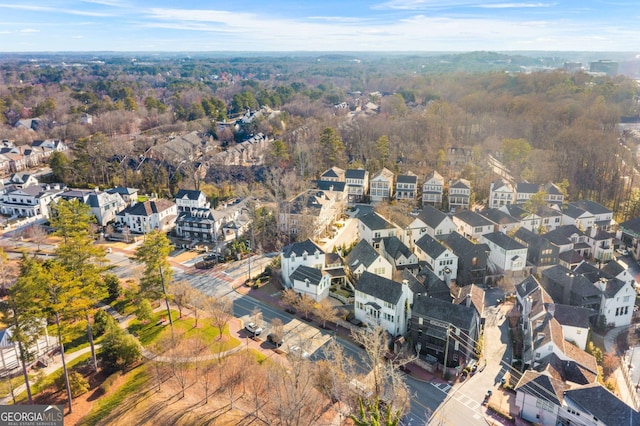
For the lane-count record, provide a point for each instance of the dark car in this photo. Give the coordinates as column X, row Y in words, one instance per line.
column 276, row 339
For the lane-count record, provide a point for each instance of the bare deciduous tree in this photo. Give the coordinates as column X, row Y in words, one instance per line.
column 221, row 311
column 306, row 305
column 325, row 312
column 290, row 298
column 179, row 292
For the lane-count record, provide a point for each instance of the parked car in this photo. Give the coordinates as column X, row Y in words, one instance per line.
column 621, row 251
column 253, row 328
column 276, row 339
column 298, row 352
column 486, row 397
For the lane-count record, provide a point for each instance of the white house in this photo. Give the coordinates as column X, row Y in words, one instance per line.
column 364, row 258
column 306, row 253
column 357, row 184
column 379, row 300
column 439, row 259
column 501, row 193
column 506, row 253
column 31, row 201
column 573, row 215
column 603, row 217
column 430, row 221
column 432, row 190
column 312, row 282
column 382, row 185
column 187, row 200
column 406, row 186
column 459, row 195
column 472, row 225
column 145, row 217
column 372, row 227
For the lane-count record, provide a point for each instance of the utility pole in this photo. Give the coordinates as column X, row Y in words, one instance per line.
column 446, row 354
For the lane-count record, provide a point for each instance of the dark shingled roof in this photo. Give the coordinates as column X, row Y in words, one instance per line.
column 632, row 225
column 460, row 316
column 603, row 405
column 459, row 245
column 379, row 287
column 374, row 222
column 472, row 218
column 301, row 248
column 431, row 216
column 407, row 179
column 573, row 211
column 503, row 240
column 355, row 174
column 395, row 247
column 362, row 253
column 188, row 194
column 527, row 188
column 542, row 386
column 498, row 217
column 573, row 316
column 570, row 257
column 430, row 246
column 591, row 206
column 302, row 273
column 328, row 185
column 147, row 208
column 436, row 288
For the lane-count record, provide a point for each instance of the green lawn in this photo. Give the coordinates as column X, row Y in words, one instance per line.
column 148, row 333
column 134, row 383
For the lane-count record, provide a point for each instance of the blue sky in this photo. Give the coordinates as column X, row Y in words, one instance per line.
column 312, row 25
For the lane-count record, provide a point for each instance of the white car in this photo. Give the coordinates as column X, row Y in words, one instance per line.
column 298, row 352
column 622, row 251
column 253, row 328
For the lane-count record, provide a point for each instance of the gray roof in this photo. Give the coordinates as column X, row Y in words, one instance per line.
column 328, row 185
column 607, row 408
column 527, row 188
column 122, row 191
column 459, row 245
column 542, row 386
column 527, row 286
column 362, row 253
column 431, row 216
column 503, row 240
column 573, row 211
column 375, row 222
column 573, row 316
column 591, row 206
column 147, row 208
column 395, row 247
column 301, row 248
column 435, row 287
column 430, row 246
column 303, row 273
column 355, row 173
column 570, row 257
column 407, row 179
column 498, row 217
column 189, row 194
column 379, row 287
column 460, row 316
column 632, row 225
column 461, row 183
column 472, row 218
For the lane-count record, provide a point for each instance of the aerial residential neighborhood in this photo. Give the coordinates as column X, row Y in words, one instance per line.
column 246, row 244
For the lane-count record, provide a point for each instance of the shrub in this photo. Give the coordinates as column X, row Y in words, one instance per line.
column 101, row 321
column 144, row 311
column 114, row 289
column 77, row 383
column 119, row 349
column 108, row 382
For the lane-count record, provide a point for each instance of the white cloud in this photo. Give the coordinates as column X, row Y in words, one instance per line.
column 54, row 10
column 513, row 5
column 29, row 30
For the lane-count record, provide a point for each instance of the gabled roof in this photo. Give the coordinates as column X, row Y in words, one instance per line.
column 434, row 286
column 147, row 208
column 430, row 246
column 122, row 191
column 460, row 246
column 573, row 316
column 614, row 268
column 472, row 218
column 591, row 207
column 431, row 216
column 189, row 194
column 501, row 184
column 632, row 225
column 552, row 188
column 570, row 257
column 355, row 173
column 574, row 212
column 504, row 241
column 396, row 248
column 379, row 287
column 602, row 405
column 333, row 172
column 461, row 183
column 407, row 178
column 460, row 316
column 361, row 254
column 375, row 222
column 499, row 217
column 566, row 370
column 527, row 286
column 471, row 294
column 300, row 248
column 385, row 173
column 517, row 211
column 542, row 386
column 527, row 188
column 304, row 273
column 328, row 185
column 435, row 176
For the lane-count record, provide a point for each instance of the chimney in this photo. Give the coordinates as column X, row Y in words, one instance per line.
column 468, row 301
column 551, row 308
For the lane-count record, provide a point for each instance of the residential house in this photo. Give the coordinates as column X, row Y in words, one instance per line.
column 188, row 200
column 50, row 144
column 372, row 227
column 398, row 254
column 575, row 322
column 129, row 195
column 312, row 282
column 459, row 195
column 541, row 253
column 629, row 233
column 472, row 225
column 621, row 270
column 553, row 195
column 334, row 174
column 472, row 259
column 407, row 187
column 601, row 243
column 457, row 156
column 150, row 215
column 22, row 180
column 336, row 190
column 104, row 206
column 196, row 221
column 357, row 184
column 580, row 218
column 501, row 193
column 379, row 300
column 432, row 285
column 591, row 288
column 430, row 221
column 31, row 201
column 438, row 258
column 432, row 190
column 310, row 213
column 603, row 217
column 540, row 220
column 438, row 328
column 545, row 400
column 503, row 222
column 569, row 237
column 524, row 191
column 5, row 165
column 304, row 253
column 472, row 296
column 506, row 254
column 381, row 185
column 364, row 258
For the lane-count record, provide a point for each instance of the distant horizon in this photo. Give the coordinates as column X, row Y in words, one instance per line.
column 288, row 26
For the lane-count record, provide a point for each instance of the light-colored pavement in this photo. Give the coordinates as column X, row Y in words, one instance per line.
column 610, row 344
